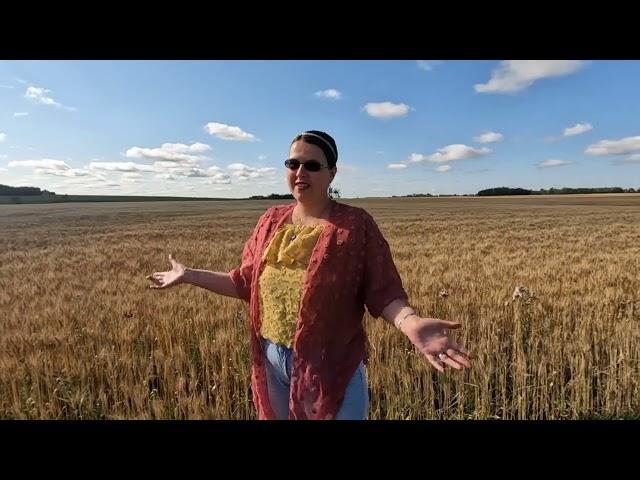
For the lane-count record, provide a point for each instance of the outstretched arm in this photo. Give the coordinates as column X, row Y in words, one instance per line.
column 429, row 335
column 217, row 282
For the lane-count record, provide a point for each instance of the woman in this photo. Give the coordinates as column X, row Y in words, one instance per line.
column 308, row 271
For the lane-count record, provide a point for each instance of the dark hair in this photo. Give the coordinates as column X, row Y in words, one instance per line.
column 322, row 140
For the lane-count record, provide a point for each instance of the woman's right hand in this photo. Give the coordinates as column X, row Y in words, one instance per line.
column 173, row 277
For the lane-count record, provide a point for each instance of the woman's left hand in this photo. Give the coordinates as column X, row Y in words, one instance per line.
column 429, row 335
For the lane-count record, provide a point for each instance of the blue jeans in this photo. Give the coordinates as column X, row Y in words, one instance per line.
column 278, row 366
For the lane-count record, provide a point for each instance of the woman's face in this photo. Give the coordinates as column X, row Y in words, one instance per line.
column 306, row 186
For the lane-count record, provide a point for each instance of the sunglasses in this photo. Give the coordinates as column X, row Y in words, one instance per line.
column 310, row 166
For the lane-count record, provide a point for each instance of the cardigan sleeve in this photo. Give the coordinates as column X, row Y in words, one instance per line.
column 382, row 282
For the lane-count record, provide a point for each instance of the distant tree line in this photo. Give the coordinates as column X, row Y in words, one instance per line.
column 413, row 195
column 490, row 192
column 272, row 196
column 416, row 195
column 7, row 190
column 552, row 191
column 333, row 193
column 560, row 191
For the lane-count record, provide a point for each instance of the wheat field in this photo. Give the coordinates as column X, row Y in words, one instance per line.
column 83, row 337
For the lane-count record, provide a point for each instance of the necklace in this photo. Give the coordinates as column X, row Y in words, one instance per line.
column 294, row 222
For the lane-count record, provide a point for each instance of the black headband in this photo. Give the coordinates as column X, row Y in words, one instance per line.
column 335, row 156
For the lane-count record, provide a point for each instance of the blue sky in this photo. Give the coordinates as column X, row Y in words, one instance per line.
column 223, row 128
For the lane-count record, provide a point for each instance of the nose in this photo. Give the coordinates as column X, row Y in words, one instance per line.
column 301, row 171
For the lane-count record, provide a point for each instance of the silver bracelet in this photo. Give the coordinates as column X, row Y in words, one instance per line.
column 399, row 324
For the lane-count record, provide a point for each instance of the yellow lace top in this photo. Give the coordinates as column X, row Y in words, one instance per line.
column 285, row 264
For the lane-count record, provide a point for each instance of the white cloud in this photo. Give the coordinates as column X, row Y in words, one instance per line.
column 428, row 65
column 171, row 152
column 122, row 167
column 71, row 172
column 48, row 166
column 228, row 132
column 93, row 187
column 98, row 177
column 20, row 114
column 3, row 156
column 614, row 147
column 133, row 172
column 553, row 163
column 241, row 171
column 166, row 176
column 193, row 172
column 43, row 163
column 219, row 179
column 161, row 165
column 196, row 173
column 238, row 166
column 84, row 180
column 450, row 153
column 489, row 137
column 417, row 157
column 131, row 178
column 167, row 170
column 635, row 158
column 3, row 137
column 577, row 129
column 386, row 110
column 2, row 169
column 246, row 168
column 331, row 94
column 442, row 168
column 40, row 95
column 397, row 166
column 195, row 147
column 512, row 76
